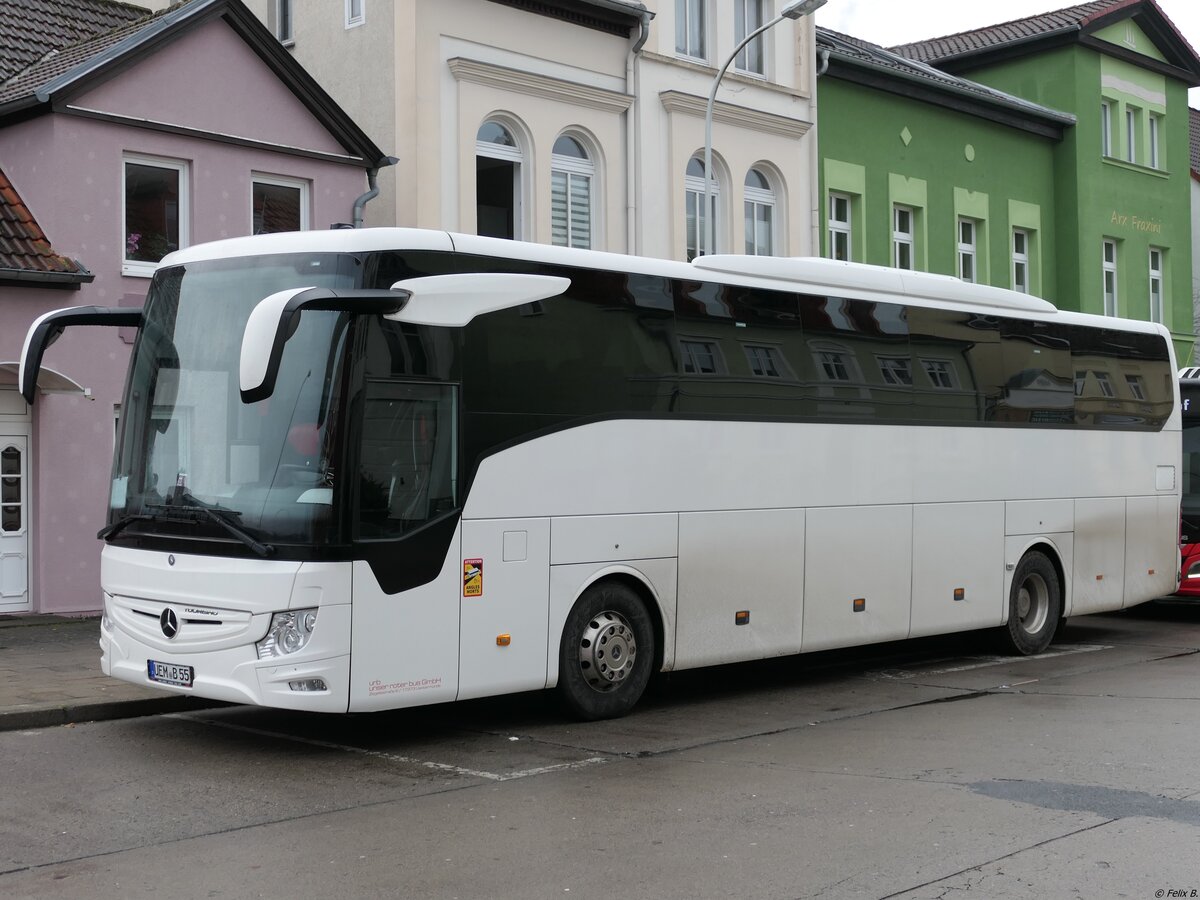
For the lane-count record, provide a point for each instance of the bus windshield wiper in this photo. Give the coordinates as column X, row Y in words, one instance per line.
column 189, row 513
column 183, row 511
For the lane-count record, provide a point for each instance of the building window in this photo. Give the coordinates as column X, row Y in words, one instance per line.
column 759, row 201
column 281, row 24
column 355, row 12
column 940, row 373
column 895, row 370
column 690, row 28
column 1110, row 278
column 1106, row 386
column 693, row 185
column 1131, row 135
column 571, row 177
column 902, row 237
column 1106, row 128
column 1020, row 260
column 1136, row 387
column 1080, row 381
column 497, row 182
column 1156, row 285
column 278, row 204
column 834, row 365
column 764, row 360
column 967, row 240
column 749, row 17
column 11, row 475
column 700, row 357
column 839, row 226
column 1154, row 156
column 155, row 211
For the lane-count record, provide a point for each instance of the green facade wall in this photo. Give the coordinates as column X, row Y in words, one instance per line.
column 1098, row 197
column 884, row 149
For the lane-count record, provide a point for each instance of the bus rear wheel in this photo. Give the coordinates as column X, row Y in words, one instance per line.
column 606, row 652
column 1034, row 605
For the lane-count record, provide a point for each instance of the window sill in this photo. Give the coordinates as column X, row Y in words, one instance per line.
column 138, row 270
column 1135, row 167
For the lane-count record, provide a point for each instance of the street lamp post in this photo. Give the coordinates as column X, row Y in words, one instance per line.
column 797, row 9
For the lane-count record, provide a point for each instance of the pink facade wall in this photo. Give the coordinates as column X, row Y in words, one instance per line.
column 68, row 169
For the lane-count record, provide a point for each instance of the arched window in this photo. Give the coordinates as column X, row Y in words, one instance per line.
column 693, row 185
column 760, row 214
column 498, row 160
column 572, row 176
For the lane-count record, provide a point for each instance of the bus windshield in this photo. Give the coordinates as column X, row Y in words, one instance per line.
column 192, row 459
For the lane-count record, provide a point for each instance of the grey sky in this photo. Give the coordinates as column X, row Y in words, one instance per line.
column 891, row 22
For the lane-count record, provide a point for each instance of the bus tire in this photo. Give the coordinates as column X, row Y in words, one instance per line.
column 1034, row 605
column 606, row 652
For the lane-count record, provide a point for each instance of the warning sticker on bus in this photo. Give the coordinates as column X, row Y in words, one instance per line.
column 472, row 577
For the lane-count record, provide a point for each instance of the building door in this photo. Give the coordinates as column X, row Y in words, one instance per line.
column 14, row 524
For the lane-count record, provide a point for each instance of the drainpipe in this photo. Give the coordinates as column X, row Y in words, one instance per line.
column 373, row 184
column 633, row 174
column 814, row 177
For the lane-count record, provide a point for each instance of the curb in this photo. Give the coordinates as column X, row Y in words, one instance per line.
column 75, row 713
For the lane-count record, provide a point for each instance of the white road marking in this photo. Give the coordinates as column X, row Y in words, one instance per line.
column 391, row 757
column 982, row 662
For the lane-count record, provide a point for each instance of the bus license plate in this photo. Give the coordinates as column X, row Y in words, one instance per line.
column 169, row 673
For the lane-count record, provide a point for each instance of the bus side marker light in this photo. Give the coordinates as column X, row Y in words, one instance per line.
column 960, row 594
column 503, row 640
column 741, row 617
column 1099, row 577
column 860, row 604
column 1149, row 571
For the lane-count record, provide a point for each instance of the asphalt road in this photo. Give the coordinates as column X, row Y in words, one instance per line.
column 928, row 769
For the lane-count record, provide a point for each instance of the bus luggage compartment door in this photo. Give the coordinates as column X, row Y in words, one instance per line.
column 505, row 599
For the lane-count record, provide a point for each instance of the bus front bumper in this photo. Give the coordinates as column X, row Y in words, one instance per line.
column 236, row 674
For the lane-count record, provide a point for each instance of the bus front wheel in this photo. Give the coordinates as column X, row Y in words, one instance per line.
column 1034, row 605
column 606, row 652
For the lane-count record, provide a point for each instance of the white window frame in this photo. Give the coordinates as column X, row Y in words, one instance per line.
column 1106, row 127
column 1131, row 135
column 140, row 268
column 1107, row 390
column 684, row 11
column 741, row 28
column 687, row 352
column 356, row 13
column 1137, row 386
column 283, row 13
column 939, row 370
column 1020, row 260
column 515, row 155
column 281, row 181
column 754, row 199
column 895, row 370
column 843, row 227
column 1154, row 151
column 693, row 196
column 758, row 351
column 1156, row 284
column 901, row 238
column 1108, row 276
column 574, row 168
column 967, row 249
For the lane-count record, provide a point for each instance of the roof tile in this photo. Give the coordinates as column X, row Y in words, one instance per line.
column 23, row 245
column 31, row 29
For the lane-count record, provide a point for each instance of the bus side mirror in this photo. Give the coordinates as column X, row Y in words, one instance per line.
column 276, row 318
column 47, row 328
column 449, row 301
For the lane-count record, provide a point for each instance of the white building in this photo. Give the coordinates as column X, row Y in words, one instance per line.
column 574, row 121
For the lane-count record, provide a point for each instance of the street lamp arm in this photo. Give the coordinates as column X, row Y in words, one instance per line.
column 708, row 118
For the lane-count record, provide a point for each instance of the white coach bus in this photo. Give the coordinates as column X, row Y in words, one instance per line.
column 361, row 470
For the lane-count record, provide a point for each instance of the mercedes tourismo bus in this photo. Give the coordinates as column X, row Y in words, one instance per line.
column 1189, row 520
column 359, row 470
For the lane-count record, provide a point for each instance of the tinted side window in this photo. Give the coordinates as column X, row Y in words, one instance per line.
column 957, row 366
column 1038, row 386
column 1121, row 380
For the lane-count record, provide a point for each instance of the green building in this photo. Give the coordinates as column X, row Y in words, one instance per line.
column 1048, row 155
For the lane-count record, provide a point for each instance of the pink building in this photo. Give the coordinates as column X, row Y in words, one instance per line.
column 125, row 135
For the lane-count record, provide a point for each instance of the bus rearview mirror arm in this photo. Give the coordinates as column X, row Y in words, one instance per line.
column 449, row 301
column 47, row 328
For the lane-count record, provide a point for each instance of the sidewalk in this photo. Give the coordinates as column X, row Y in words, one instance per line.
column 50, row 675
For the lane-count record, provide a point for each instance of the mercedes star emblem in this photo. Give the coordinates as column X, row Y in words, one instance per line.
column 169, row 623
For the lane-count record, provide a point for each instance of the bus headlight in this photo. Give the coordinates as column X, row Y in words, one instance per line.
column 289, row 633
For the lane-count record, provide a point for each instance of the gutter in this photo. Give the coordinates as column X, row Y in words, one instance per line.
column 372, row 193
column 633, row 170
column 35, row 277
